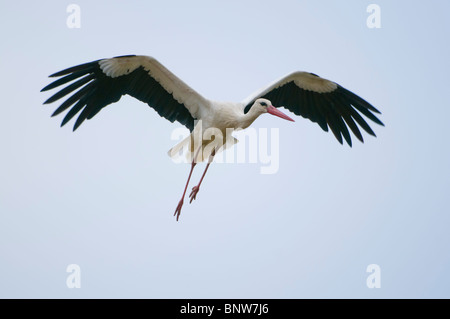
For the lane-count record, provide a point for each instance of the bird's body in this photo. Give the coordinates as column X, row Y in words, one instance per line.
column 224, row 115
column 220, row 120
column 102, row 82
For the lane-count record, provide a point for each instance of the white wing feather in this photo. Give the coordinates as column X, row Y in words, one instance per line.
column 194, row 102
column 303, row 80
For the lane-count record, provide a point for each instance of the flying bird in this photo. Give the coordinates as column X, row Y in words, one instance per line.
column 102, row 82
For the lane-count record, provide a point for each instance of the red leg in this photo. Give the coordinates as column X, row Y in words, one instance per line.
column 180, row 203
column 195, row 189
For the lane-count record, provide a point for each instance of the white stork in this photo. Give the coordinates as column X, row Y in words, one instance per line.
column 103, row 82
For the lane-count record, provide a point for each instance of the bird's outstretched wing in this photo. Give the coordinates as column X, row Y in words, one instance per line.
column 102, row 82
column 322, row 101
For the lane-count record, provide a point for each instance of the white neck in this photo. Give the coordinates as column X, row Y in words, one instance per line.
column 248, row 118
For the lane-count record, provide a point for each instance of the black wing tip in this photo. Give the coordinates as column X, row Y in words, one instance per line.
column 74, row 128
column 47, row 88
column 67, row 120
column 376, row 110
column 373, row 108
column 60, row 73
column 348, row 139
column 84, row 66
column 64, row 121
column 360, row 138
column 77, row 124
column 89, row 66
column 370, row 106
column 376, row 120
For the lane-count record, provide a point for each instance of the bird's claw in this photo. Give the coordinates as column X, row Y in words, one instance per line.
column 194, row 192
column 178, row 209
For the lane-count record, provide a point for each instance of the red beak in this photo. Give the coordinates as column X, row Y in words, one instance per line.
column 274, row 111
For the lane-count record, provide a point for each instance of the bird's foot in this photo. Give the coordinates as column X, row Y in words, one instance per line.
column 194, row 192
column 178, row 209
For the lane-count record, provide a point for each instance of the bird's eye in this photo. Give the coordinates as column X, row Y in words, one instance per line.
column 263, row 104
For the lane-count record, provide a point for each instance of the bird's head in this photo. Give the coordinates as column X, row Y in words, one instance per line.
column 265, row 106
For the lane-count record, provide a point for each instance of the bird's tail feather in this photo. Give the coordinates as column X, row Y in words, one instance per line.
column 188, row 148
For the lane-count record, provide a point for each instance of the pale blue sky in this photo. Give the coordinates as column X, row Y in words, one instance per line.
column 103, row 197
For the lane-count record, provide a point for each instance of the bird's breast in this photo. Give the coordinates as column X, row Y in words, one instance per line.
column 225, row 116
